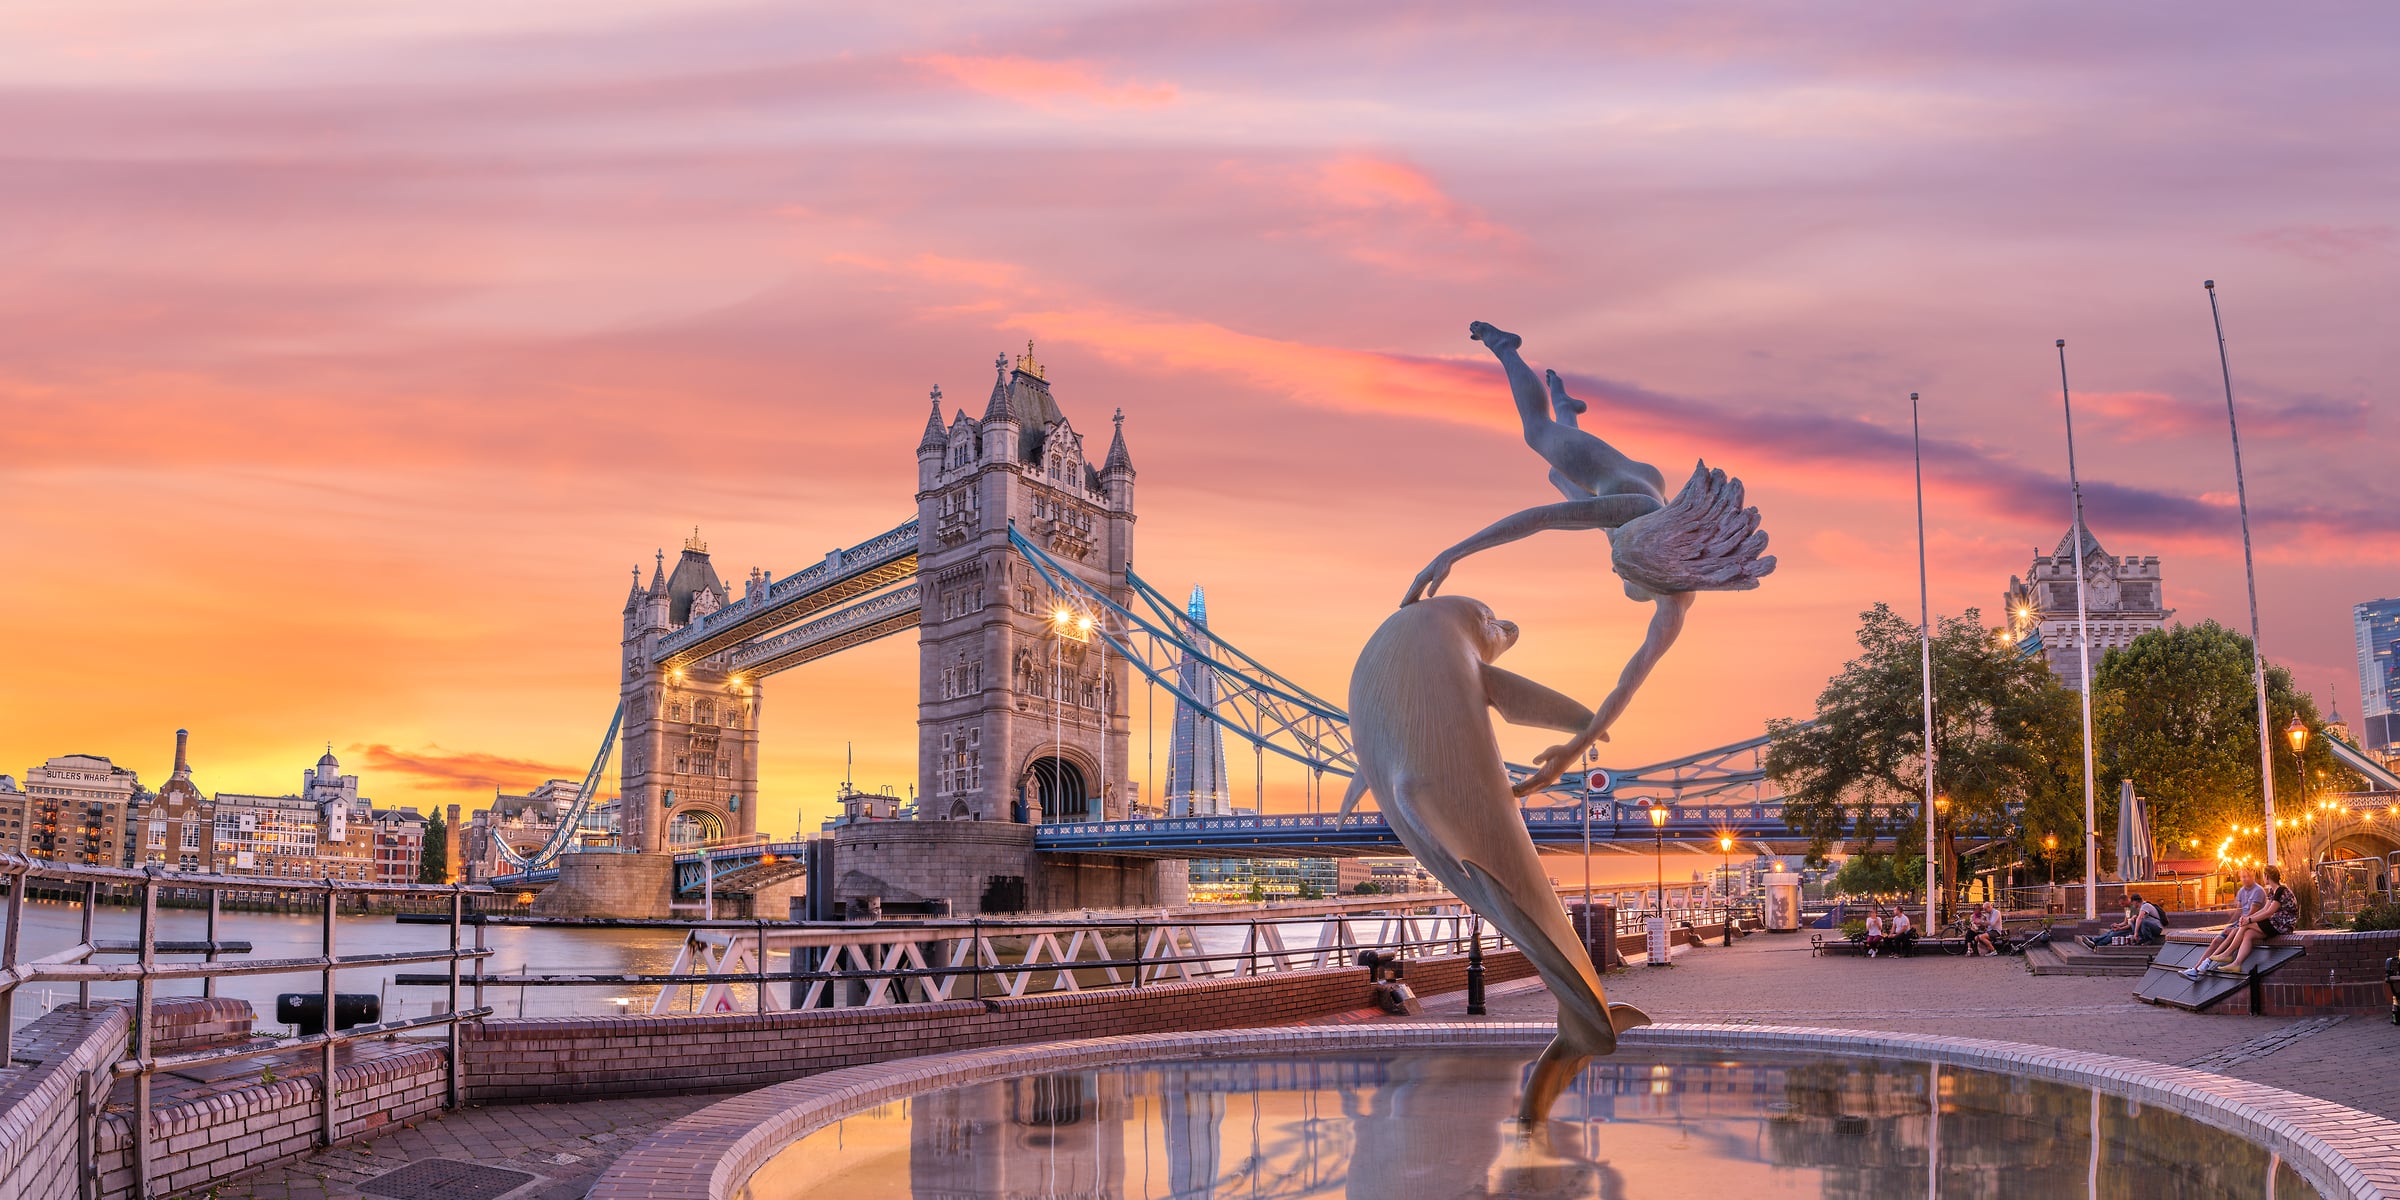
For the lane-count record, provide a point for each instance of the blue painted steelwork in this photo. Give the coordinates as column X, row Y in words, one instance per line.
column 724, row 859
column 2357, row 760
column 570, row 823
column 1311, row 835
column 872, row 565
column 1264, row 708
column 1255, row 703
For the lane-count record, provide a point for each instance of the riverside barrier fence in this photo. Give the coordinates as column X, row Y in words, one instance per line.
column 140, row 1062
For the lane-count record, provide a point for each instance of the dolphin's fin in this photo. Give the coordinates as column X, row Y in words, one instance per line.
column 1358, row 788
column 1521, row 701
column 1622, row 1017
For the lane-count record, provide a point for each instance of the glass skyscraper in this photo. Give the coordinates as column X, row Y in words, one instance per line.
column 2377, row 623
column 1196, row 756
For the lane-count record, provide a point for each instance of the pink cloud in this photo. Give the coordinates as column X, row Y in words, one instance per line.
column 1045, row 84
column 2331, row 245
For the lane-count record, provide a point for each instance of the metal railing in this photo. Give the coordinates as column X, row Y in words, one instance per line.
column 837, row 965
column 74, row 965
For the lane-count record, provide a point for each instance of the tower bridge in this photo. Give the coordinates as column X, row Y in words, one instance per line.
column 1017, row 573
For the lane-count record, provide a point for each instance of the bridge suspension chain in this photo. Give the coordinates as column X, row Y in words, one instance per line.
column 570, row 822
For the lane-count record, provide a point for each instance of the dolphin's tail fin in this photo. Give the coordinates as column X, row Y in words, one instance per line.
column 1350, row 798
column 1563, row 1058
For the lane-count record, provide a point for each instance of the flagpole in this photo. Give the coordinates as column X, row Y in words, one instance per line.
column 2258, row 653
column 2083, row 654
column 1925, row 667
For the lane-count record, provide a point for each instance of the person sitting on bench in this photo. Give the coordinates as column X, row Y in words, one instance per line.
column 1874, row 931
column 1904, row 934
column 2246, row 903
column 2278, row 915
column 2143, row 924
column 1991, row 931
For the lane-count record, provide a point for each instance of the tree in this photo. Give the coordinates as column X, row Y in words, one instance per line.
column 1368, row 888
column 2005, row 742
column 2176, row 712
column 433, row 864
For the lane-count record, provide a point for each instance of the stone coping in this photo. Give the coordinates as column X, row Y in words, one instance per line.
column 709, row 1155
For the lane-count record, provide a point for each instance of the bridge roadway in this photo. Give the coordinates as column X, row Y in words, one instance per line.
column 1754, row 826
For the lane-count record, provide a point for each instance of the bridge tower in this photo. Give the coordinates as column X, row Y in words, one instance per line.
column 688, row 766
column 1021, row 717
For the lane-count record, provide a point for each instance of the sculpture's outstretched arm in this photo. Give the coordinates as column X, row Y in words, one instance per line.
column 1598, row 512
column 1666, row 624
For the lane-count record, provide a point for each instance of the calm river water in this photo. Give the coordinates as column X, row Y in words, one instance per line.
column 52, row 926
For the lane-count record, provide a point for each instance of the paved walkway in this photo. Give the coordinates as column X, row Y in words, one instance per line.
column 1766, row 979
column 1773, row 980
column 566, row 1146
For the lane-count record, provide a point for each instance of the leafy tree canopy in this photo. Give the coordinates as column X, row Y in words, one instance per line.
column 2006, row 740
column 2176, row 712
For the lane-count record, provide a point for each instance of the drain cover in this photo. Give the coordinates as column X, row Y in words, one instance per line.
column 442, row 1179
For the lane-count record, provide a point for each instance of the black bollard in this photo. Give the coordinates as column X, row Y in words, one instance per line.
column 2391, row 982
column 1475, row 973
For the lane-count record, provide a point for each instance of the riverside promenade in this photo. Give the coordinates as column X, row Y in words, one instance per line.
column 1767, row 979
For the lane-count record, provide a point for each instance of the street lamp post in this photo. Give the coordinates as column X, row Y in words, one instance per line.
column 1591, row 760
column 1725, row 849
column 1658, row 855
column 2050, row 860
column 2297, row 731
column 1941, row 912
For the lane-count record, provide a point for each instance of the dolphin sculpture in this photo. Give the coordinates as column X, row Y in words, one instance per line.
column 1426, row 749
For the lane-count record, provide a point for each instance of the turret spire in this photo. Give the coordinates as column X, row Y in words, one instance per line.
column 998, row 409
column 658, row 575
column 935, row 438
column 1118, row 459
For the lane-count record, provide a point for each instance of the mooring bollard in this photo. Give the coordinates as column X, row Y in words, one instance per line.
column 1475, row 974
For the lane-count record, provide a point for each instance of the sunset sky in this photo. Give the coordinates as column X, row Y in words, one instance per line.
column 352, row 353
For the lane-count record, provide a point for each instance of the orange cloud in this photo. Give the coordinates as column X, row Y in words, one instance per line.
column 460, row 768
column 1045, row 84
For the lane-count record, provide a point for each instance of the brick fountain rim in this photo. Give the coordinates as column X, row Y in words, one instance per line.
column 2344, row 1153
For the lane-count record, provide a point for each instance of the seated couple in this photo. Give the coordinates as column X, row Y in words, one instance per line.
column 1990, row 931
column 2143, row 925
column 2259, row 913
column 1899, row 934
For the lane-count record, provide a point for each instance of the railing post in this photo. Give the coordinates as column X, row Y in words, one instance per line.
column 759, row 967
column 458, row 906
column 208, row 983
column 142, row 989
column 333, row 905
column 8, row 960
column 1137, row 954
column 91, row 900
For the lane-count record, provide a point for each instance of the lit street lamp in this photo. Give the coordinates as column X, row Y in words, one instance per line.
column 2050, row 859
column 1658, row 854
column 1725, row 848
column 1941, row 813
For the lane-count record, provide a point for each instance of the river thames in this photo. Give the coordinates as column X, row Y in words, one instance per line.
column 51, row 926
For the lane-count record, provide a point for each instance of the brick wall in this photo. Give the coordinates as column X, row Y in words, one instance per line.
column 588, row 1057
column 196, row 1143
column 191, row 1022
column 2340, row 973
column 69, row 1048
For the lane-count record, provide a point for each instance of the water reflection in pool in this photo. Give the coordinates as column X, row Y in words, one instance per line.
column 1403, row 1125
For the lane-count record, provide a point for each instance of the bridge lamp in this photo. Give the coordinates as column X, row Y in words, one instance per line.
column 2298, row 732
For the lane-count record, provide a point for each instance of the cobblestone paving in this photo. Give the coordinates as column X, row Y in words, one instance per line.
column 1767, row 979
column 1773, row 979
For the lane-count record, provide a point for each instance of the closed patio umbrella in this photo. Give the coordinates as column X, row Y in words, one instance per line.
column 2133, row 835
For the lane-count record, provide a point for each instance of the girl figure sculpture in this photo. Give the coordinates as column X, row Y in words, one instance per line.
column 1665, row 550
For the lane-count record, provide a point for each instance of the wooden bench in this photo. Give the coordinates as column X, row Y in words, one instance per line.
column 1819, row 944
